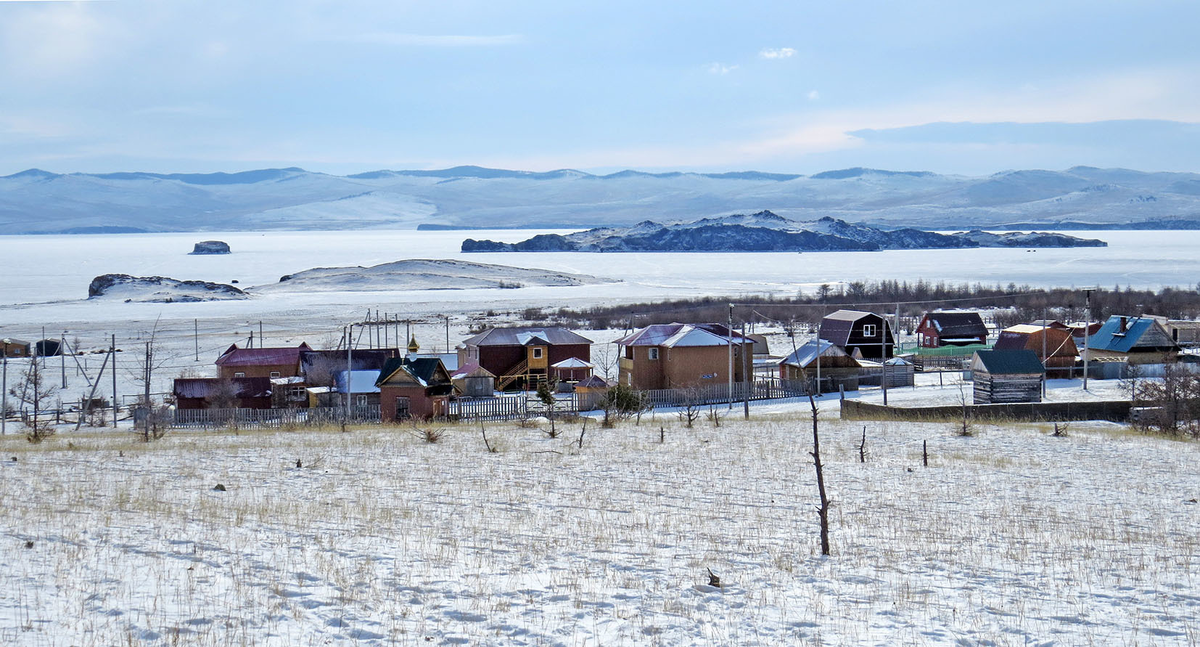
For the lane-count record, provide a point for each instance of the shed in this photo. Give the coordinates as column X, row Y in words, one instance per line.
column 951, row 328
column 48, row 348
column 202, row 392
column 1006, row 376
column 590, row 392
column 413, row 389
column 838, row 370
column 856, row 330
column 474, row 381
column 363, row 390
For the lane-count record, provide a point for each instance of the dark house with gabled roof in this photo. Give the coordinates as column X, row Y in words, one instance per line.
column 951, row 328
column 417, row 388
column 856, row 330
column 260, row 362
column 1007, row 376
column 520, row 357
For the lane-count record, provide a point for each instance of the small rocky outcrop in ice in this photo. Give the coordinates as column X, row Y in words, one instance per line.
column 160, row 289
column 211, row 247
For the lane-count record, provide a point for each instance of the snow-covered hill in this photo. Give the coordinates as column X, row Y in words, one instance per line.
column 292, row 198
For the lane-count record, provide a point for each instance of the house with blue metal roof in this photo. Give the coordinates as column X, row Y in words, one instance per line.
column 1134, row 340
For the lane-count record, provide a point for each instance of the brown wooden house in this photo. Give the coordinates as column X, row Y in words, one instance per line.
column 206, row 392
column 260, row 362
column 14, row 348
column 417, row 388
column 1054, row 346
column 951, row 328
column 520, row 357
column 677, row 355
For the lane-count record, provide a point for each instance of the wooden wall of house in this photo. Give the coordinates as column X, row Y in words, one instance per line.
column 420, row 404
column 685, row 367
column 1003, row 389
column 264, row 370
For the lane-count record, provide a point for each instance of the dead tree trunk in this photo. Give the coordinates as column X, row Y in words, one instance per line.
column 823, row 510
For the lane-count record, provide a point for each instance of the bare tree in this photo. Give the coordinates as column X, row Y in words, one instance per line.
column 823, row 510
column 35, row 391
column 1170, row 405
column 689, row 409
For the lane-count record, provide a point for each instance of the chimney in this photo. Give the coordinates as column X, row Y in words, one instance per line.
column 1124, row 324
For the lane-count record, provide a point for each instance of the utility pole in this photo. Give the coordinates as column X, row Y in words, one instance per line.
column 62, row 357
column 729, row 339
column 447, row 333
column 1044, row 358
column 349, row 366
column 196, row 336
column 149, row 371
column 112, row 350
column 260, row 334
column 1087, row 328
column 747, row 373
column 4, row 396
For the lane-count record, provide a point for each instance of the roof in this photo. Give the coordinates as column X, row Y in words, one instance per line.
column 593, row 382
column 361, row 359
column 205, row 387
column 519, row 336
column 236, row 356
column 426, row 371
column 807, row 354
column 573, row 362
column 471, row 369
column 449, row 360
column 360, row 382
column 1049, row 323
column 1110, row 337
column 957, row 323
column 1009, row 362
column 837, row 326
column 1058, row 341
column 676, row 335
column 16, row 342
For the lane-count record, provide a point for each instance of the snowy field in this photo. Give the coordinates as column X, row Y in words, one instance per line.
column 1011, row 537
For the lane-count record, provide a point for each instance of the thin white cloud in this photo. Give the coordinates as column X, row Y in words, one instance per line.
column 720, row 69
column 436, row 40
column 777, row 52
column 813, row 95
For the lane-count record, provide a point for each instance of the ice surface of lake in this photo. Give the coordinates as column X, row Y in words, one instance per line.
column 44, row 269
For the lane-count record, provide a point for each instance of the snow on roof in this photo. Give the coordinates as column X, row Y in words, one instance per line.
column 284, row 381
column 360, row 382
column 672, row 335
column 807, row 354
column 509, row 336
column 235, row 356
column 573, row 362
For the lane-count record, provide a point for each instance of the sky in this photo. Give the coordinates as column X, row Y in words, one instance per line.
column 785, row 86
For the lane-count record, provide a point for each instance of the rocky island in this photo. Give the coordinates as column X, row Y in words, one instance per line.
column 211, row 247
column 160, row 289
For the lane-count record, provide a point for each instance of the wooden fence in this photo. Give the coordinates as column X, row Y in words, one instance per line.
column 764, row 389
column 272, row 418
column 509, row 407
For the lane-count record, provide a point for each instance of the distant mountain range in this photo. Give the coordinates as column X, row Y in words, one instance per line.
column 36, row 201
column 766, row 231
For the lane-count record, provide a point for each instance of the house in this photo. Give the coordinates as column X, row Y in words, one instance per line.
column 474, row 381
column 1055, row 347
column 14, row 348
column 838, row 370
column 289, row 393
column 1134, row 340
column 212, row 392
column 951, row 328
column 363, row 390
column 520, row 357
column 319, row 366
column 1184, row 332
column 260, row 362
column 1007, row 376
column 677, row 355
column 417, row 388
column 1050, row 323
column 854, row 330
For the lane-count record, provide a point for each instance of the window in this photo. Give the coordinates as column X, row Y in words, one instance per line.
column 274, row 374
column 362, row 400
column 239, row 374
column 868, row 330
column 537, row 352
column 652, row 353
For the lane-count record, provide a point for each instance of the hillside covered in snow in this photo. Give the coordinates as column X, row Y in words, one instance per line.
column 766, row 231
column 36, row 201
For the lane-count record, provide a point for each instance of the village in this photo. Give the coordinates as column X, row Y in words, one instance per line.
column 529, row 371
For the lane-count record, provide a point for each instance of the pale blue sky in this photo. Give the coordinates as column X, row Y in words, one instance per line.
column 348, row 86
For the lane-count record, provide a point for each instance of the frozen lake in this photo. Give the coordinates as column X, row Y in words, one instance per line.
column 45, row 278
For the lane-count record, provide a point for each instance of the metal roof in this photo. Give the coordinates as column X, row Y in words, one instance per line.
column 205, row 387
column 236, row 356
column 360, row 382
column 1110, row 337
column 807, row 354
column 957, row 323
column 1010, row 362
column 361, row 359
column 674, row 335
column 573, row 362
column 553, row 336
column 423, row 369
column 849, row 315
